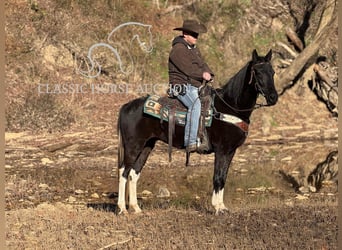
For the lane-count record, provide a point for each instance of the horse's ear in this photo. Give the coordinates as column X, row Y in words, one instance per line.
column 255, row 55
column 269, row 55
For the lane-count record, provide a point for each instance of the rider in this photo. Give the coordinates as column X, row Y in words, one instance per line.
column 187, row 71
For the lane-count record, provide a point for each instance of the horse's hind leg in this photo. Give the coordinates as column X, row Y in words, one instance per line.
column 129, row 175
column 134, row 175
column 122, row 192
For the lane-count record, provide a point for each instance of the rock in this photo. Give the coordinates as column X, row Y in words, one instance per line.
column 304, row 189
column 301, row 197
column 256, row 190
column 79, row 191
column 43, row 186
column 46, row 161
column 289, row 203
column 146, row 193
column 71, row 199
column 31, row 198
column 312, row 189
column 243, row 171
column 57, row 197
column 163, row 193
column 288, row 158
column 95, row 196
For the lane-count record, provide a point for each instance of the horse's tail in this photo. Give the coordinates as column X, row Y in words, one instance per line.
column 121, row 150
column 121, row 155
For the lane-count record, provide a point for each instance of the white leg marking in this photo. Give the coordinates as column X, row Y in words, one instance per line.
column 133, row 200
column 122, row 189
column 217, row 201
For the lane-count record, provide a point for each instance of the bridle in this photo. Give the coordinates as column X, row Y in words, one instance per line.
column 257, row 88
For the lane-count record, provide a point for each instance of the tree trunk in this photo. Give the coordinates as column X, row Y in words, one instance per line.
column 328, row 20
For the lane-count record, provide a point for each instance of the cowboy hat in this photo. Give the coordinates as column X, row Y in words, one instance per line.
column 192, row 26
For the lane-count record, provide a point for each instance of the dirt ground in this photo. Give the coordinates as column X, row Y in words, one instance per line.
column 61, row 193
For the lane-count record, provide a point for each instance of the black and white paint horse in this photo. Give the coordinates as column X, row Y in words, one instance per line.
column 233, row 105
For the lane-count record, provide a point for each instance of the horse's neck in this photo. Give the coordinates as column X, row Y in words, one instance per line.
column 248, row 96
column 240, row 94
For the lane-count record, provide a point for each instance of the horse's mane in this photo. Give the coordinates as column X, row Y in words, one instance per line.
column 234, row 87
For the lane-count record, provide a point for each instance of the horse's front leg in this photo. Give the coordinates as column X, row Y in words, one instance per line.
column 131, row 181
column 222, row 162
column 133, row 200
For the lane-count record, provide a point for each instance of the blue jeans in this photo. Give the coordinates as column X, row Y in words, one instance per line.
column 193, row 104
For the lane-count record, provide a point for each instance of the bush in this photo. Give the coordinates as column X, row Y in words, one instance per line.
column 37, row 112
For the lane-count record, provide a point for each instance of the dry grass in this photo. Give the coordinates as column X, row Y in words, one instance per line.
column 266, row 219
column 63, row 226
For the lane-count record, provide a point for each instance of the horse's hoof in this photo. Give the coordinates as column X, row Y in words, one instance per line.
column 136, row 209
column 122, row 211
column 221, row 210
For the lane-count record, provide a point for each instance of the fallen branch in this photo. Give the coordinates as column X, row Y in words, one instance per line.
column 294, row 39
column 116, row 243
column 291, row 73
column 323, row 76
column 292, row 139
column 294, row 54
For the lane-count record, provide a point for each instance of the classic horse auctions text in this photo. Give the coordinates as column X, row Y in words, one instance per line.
column 99, row 88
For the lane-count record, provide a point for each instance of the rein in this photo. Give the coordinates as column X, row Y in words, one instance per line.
column 257, row 87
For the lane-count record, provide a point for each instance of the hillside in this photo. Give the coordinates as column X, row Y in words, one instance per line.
column 47, row 48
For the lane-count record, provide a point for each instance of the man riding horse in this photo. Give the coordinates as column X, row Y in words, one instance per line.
column 229, row 113
column 187, row 71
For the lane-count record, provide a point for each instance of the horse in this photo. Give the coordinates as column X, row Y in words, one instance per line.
column 139, row 132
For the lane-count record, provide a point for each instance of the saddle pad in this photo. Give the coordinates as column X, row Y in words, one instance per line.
column 153, row 107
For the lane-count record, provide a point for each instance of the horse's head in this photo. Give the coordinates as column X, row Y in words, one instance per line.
column 262, row 76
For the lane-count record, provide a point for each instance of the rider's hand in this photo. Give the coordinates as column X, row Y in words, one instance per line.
column 206, row 76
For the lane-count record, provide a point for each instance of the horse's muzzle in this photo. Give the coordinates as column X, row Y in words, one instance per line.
column 272, row 99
